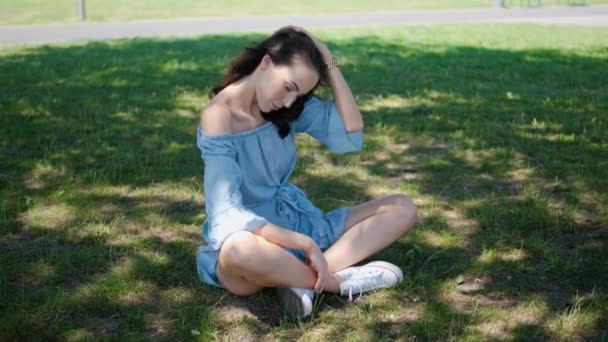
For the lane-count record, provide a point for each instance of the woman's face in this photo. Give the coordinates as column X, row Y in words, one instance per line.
column 280, row 85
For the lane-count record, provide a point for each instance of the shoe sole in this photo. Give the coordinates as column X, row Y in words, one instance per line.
column 295, row 305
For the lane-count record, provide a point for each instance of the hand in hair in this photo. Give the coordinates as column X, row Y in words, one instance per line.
column 322, row 47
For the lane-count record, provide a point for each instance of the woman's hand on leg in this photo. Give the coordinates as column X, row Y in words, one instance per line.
column 317, row 262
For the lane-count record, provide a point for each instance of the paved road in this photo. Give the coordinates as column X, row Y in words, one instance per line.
column 55, row 33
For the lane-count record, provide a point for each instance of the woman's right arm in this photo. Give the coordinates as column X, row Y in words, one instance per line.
column 222, row 181
column 290, row 239
column 285, row 237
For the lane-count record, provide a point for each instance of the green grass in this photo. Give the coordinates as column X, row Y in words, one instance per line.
column 499, row 135
column 34, row 11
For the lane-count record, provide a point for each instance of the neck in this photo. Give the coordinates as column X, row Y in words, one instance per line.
column 244, row 96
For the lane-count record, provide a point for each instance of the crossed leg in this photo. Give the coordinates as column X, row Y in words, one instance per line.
column 247, row 263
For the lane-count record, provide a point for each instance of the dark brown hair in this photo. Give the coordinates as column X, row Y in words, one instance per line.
column 282, row 47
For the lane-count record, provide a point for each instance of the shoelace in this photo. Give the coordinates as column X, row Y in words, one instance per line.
column 370, row 280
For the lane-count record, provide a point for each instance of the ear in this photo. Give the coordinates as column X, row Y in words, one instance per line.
column 266, row 61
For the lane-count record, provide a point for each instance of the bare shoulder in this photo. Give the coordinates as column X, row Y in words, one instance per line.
column 216, row 119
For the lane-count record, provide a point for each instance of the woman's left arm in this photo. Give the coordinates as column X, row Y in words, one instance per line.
column 343, row 97
column 345, row 102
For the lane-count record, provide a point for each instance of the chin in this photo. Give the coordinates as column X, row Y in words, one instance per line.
column 271, row 111
column 267, row 110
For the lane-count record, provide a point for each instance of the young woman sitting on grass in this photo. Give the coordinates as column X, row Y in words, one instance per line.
column 261, row 230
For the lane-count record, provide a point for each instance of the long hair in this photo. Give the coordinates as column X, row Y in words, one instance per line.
column 282, row 47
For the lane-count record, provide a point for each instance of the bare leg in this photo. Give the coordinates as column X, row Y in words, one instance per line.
column 247, row 263
column 371, row 226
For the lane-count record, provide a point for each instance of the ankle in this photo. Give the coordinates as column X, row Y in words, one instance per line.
column 338, row 278
column 334, row 283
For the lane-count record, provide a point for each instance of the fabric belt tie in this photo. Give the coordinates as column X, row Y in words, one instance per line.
column 290, row 197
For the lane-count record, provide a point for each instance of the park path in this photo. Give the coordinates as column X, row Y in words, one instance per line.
column 58, row 33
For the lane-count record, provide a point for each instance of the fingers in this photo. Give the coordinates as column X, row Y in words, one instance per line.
column 318, row 264
column 321, row 282
column 322, row 279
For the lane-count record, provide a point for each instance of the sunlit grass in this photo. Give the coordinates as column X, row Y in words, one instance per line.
column 32, row 11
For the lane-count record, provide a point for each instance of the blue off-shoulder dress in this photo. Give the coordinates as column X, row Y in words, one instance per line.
column 246, row 183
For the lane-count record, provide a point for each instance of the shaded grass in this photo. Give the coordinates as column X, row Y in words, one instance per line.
column 499, row 139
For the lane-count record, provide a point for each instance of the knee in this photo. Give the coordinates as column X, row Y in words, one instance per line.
column 406, row 208
column 238, row 249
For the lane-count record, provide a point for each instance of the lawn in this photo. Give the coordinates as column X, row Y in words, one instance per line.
column 498, row 133
column 34, row 11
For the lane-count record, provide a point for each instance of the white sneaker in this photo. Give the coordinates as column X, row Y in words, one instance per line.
column 296, row 301
column 371, row 276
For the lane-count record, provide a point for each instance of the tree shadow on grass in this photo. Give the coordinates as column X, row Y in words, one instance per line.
column 503, row 138
column 85, row 126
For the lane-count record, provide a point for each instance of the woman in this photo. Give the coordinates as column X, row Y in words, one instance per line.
column 262, row 231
